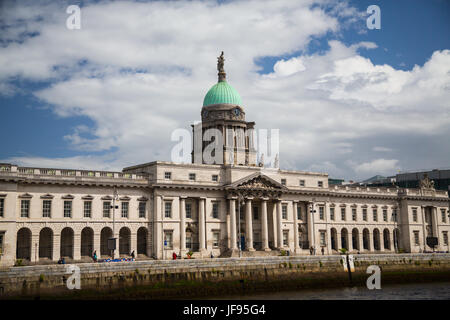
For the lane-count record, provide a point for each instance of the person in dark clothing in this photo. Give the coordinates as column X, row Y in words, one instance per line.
column 94, row 256
column 323, row 250
column 132, row 254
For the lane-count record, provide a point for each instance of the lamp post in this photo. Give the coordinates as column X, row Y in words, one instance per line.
column 312, row 211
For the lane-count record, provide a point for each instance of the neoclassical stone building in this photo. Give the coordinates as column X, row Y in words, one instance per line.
column 158, row 208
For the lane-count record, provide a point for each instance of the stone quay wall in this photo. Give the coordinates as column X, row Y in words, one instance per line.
column 191, row 277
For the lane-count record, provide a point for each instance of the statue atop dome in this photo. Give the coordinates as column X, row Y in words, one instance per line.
column 220, row 64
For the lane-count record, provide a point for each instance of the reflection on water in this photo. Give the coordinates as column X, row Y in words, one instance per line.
column 421, row 291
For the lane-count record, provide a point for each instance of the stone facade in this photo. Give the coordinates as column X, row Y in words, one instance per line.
column 164, row 207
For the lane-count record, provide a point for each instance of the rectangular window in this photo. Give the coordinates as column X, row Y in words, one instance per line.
column 125, row 206
column 320, row 184
column 255, row 213
column 189, row 242
column 167, row 175
column 302, row 183
column 354, row 214
column 323, row 242
column 216, row 236
column 394, row 215
column 364, row 214
column 332, row 213
column 168, row 239
column 285, row 238
column 168, row 209
column 188, row 208
column 106, row 209
column 87, row 209
column 2, row 207
column 375, row 215
column 284, row 212
column 47, row 208
column 385, row 215
column 321, row 213
column 444, row 220
column 445, row 236
column 192, row 176
column 142, row 206
column 299, row 213
column 1, row 242
column 416, row 238
column 215, row 177
column 414, row 214
column 283, row 182
column 67, row 209
column 215, row 210
column 25, row 208
column 343, row 214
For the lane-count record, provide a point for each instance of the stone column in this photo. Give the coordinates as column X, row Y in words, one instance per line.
column 350, row 240
column 133, row 243
column 201, row 224
column 248, row 224
column 371, row 242
column 34, row 247
column 56, row 246
column 311, row 235
column 97, row 237
column 158, row 233
column 182, row 226
column 274, row 224
column 424, row 228
column 279, row 230
column 329, row 236
column 77, row 245
column 434, row 221
column 391, row 240
column 233, row 235
column 338, row 241
column 296, row 246
column 361, row 243
column 264, row 225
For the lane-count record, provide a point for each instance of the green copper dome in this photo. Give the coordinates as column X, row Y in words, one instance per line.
column 222, row 92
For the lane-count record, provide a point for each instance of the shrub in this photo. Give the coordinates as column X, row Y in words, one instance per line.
column 290, row 265
column 19, row 262
column 283, row 252
column 41, row 278
column 320, row 264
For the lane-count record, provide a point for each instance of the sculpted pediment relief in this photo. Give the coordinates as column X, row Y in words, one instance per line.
column 258, row 183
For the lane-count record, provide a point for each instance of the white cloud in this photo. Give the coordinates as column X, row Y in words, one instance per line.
column 378, row 166
column 141, row 70
column 288, row 67
column 381, row 149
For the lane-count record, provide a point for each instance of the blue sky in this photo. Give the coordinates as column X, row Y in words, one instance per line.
column 52, row 118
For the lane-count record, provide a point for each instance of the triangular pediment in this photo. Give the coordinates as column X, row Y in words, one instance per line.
column 257, row 181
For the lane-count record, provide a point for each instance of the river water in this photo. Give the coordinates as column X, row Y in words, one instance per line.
column 422, row 291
